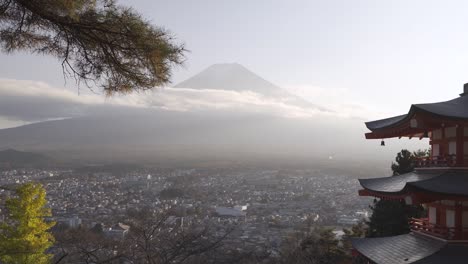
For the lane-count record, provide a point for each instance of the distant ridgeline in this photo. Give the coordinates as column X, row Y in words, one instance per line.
column 11, row 157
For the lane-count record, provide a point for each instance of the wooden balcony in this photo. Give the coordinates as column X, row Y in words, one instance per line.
column 438, row 161
column 449, row 233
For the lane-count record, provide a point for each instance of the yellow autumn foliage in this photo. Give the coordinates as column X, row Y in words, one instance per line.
column 24, row 236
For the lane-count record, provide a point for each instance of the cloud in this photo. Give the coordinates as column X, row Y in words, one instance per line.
column 30, row 101
column 338, row 100
column 183, row 99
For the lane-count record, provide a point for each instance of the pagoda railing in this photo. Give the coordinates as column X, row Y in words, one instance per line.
column 437, row 161
column 449, row 233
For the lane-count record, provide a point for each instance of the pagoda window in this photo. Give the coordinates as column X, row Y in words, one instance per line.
column 450, row 132
column 465, row 148
column 465, row 219
column 448, row 202
column 408, row 200
column 452, row 150
column 432, row 215
column 435, row 150
column 450, row 218
column 437, row 134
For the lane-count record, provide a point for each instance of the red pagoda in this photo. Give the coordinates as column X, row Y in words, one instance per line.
column 439, row 182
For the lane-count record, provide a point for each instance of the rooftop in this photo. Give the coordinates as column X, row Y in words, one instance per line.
column 421, row 118
column 453, row 109
column 410, row 248
column 438, row 181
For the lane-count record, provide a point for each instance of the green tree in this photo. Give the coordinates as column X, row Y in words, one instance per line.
column 24, row 237
column 391, row 217
column 358, row 230
column 97, row 41
column 404, row 162
column 422, row 153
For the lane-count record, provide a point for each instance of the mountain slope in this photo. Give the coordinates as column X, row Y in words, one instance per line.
column 15, row 157
column 232, row 77
column 235, row 77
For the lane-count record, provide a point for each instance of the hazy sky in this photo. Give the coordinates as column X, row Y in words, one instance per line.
column 382, row 55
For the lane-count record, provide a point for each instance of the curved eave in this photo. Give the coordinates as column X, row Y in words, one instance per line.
column 386, row 122
column 453, row 110
column 392, row 127
column 453, row 183
column 394, row 184
column 423, row 185
column 383, row 195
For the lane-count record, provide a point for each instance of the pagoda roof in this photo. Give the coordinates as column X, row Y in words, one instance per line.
column 436, row 181
column 387, row 122
column 455, row 109
column 394, row 184
column 410, row 248
column 451, row 253
column 451, row 183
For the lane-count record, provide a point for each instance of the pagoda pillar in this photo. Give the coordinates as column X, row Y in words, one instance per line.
column 458, row 220
column 460, row 142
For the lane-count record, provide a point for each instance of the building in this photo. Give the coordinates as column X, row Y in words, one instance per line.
column 229, row 212
column 440, row 183
column 71, row 222
column 117, row 231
